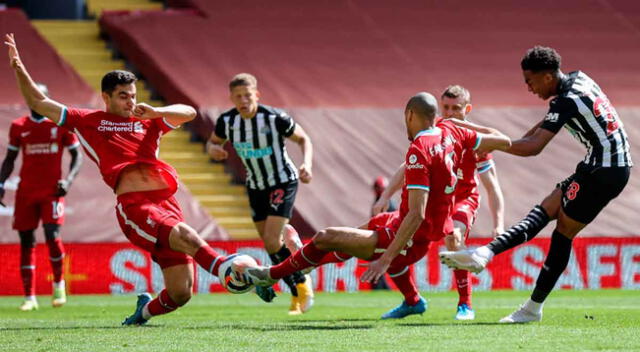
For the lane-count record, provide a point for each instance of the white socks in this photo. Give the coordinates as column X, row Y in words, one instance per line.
column 533, row 307
column 59, row 284
column 485, row 252
column 145, row 312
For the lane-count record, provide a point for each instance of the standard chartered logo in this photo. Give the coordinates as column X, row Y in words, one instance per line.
column 246, row 151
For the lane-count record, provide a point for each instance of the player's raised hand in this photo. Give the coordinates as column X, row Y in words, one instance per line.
column 305, row 173
column 144, row 111
column 14, row 56
column 216, row 151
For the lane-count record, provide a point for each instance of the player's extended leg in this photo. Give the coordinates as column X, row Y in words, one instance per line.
column 56, row 255
column 455, row 242
column 355, row 242
column 525, row 230
column 178, row 281
column 185, row 239
column 413, row 303
column 554, row 265
column 271, row 230
column 28, row 269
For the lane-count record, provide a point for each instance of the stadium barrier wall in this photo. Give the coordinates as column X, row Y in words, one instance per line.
column 119, row 268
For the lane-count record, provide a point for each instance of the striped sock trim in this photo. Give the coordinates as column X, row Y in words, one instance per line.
column 307, row 259
column 213, row 265
column 406, row 268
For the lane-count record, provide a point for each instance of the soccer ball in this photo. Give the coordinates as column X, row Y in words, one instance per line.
column 231, row 270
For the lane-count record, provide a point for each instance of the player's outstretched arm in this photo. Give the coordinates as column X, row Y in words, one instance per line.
column 531, row 144
column 410, row 224
column 395, row 184
column 36, row 100
column 495, row 199
column 301, row 138
column 175, row 114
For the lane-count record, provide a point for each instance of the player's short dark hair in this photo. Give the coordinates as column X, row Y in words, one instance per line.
column 243, row 79
column 457, row 91
column 115, row 78
column 541, row 58
column 424, row 105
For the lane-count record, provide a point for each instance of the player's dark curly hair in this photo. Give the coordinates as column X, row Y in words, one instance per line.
column 114, row 78
column 541, row 58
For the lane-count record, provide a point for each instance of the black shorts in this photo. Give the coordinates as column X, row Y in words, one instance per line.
column 277, row 200
column 589, row 190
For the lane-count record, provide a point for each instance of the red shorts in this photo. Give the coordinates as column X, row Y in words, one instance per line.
column 386, row 226
column 465, row 212
column 147, row 218
column 30, row 209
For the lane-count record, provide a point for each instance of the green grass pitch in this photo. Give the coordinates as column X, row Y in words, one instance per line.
column 606, row 320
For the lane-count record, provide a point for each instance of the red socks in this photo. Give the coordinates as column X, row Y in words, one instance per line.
column 162, row 304
column 28, row 270
column 334, row 257
column 463, row 283
column 309, row 255
column 56, row 254
column 404, row 282
column 209, row 259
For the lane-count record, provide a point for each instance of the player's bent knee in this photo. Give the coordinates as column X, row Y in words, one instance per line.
column 185, row 239
column 323, row 239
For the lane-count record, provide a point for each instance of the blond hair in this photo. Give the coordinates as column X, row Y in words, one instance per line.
column 243, row 79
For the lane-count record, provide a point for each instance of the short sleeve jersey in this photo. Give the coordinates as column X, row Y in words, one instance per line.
column 430, row 166
column 584, row 110
column 260, row 144
column 470, row 166
column 42, row 143
column 114, row 142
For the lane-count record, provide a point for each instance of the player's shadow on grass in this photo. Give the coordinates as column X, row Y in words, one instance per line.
column 294, row 326
column 66, row 328
column 461, row 324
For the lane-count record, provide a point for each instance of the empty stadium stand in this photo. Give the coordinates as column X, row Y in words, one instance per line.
column 344, row 69
column 90, row 214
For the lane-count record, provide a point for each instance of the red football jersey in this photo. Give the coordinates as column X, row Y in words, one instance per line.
column 114, row 142
column 42, row 144
column 430, row 166
column 469, row 168
column 467, row 165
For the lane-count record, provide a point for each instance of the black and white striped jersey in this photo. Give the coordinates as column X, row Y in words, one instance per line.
column 585, row 111
column 259, row 142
